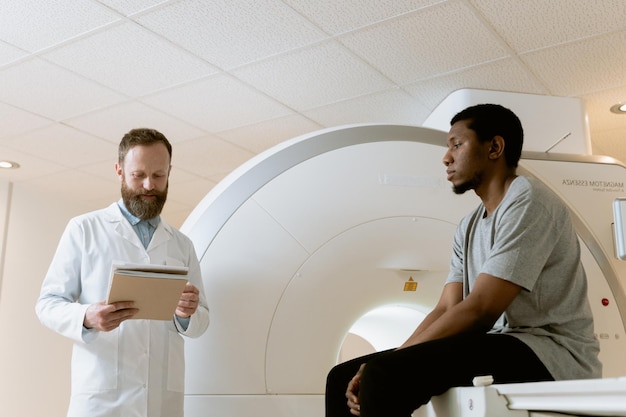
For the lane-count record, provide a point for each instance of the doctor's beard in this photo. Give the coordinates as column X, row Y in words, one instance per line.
column 143, row 209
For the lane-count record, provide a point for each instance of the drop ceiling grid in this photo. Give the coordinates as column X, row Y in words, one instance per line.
column 76, row 148
column 285, row 68
column 536, row 24
column 129, row 59
column 128, row 8
column 232, row 33
column 103, row 169
column 113, row 122
column 189, row 193
column 567, row 75
column 505, row 74
column 337, row 17
column 49, row 91
column 210, row 157
column 602, row 119
column 314, row 76
column 86, row 187
column 392, row 106
column 217, row 103
column 409, row 48
column 9, row 53
column 31, row 167
column 33, row 25
column 16, row 121
column 261, row 136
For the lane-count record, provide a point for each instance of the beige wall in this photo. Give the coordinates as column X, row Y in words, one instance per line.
column 34, row 361
column 5, row 201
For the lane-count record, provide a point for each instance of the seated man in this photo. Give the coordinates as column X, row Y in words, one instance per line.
column 514, row 305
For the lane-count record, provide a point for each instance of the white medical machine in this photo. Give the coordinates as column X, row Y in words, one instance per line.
column 303, row 242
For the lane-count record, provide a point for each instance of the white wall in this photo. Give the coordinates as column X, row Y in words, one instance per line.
column 34, row 361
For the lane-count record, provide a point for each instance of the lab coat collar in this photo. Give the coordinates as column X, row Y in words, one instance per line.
column 162, row 234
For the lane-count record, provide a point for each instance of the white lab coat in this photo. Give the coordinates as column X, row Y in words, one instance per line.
column 138, row 368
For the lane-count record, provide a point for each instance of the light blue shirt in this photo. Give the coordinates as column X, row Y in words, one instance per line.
column 144, row 228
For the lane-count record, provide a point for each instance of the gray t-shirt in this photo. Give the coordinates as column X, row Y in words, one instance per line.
column 530, row 240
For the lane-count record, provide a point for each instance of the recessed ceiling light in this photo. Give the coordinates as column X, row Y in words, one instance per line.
column 619, row 108
column 9, row 165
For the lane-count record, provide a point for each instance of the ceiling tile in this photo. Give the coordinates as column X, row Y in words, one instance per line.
column 337, row 17
column 189, row 193
column 107, row 56
column 598, row 109
column 50, row 91
column 337, row 72
column 505, row 74
column 131, row 7
column 210, row 157
column 9, row 53
column 217, row 103
column 78, row 148
column 34, row 25
column 89, row 188
column 104, row 169
column 230, row 33
column 30, row 166
column 16, row 121
column 534, row 24
column 113, row 122
column 394, row 106
column 566, row 74
column 409, row 48
column 262, row 136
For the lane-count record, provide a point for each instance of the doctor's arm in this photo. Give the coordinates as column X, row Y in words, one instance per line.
column 56, row 306
column 192, row 312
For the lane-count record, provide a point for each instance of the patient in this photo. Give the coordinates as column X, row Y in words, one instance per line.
column 514, row 305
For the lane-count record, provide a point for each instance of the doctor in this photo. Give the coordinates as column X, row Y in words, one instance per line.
column 120, row 366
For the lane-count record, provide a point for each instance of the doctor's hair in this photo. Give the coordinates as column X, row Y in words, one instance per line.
column 141, row 136
column 490, row 120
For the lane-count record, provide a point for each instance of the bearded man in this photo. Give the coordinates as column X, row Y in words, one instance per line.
column 121, row 365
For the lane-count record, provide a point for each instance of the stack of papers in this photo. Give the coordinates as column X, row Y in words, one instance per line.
column 155, row 289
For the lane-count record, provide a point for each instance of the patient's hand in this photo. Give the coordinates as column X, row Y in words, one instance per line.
column 352, row 393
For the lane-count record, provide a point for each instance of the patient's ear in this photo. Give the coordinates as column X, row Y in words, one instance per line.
column 496, row 150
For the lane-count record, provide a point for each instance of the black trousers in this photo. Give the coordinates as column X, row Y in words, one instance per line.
column 397, row 382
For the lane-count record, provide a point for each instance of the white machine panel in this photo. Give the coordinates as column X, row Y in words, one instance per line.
column 551, row 124
column 619, row 217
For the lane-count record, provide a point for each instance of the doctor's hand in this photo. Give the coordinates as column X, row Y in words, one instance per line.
column 188, row 302
column 106, row 317
column 352, row 393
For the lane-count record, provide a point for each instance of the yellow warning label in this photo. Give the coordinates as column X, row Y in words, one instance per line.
column 410, row 285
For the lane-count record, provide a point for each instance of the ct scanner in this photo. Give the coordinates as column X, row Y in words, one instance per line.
column 332, row 228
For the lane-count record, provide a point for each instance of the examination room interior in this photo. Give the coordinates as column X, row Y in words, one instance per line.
column 234, row 83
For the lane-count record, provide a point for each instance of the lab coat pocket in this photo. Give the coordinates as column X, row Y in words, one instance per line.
column 95, row 364
column 176, row 363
